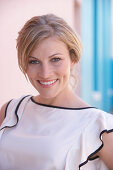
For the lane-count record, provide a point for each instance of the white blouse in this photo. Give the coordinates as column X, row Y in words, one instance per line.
column 35, row 136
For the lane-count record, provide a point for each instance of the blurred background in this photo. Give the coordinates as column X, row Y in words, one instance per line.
column 91, row 19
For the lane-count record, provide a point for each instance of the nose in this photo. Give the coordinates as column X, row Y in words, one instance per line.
column 45, row 71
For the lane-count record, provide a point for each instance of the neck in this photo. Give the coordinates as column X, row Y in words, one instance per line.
column 65, row 98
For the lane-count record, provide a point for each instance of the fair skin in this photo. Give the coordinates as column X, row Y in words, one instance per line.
column 49, row 71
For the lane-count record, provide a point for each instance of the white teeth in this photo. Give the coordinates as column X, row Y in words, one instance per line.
column 47, row 83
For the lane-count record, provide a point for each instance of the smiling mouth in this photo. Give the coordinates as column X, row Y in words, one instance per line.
column 48, row 83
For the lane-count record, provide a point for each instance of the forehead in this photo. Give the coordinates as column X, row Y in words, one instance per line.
column 49, row 46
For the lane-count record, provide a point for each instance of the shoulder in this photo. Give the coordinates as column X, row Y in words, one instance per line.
column 103, row 120
column 96, row 113
column 97, row 122
column 3, row 111
column 11, row 106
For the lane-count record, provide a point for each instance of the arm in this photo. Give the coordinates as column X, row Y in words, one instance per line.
column 106, row 153
column 2, row 112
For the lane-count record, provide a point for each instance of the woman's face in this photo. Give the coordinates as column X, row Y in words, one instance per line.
column 49, row 68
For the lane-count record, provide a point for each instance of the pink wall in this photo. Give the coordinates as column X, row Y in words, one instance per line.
column 13, row 14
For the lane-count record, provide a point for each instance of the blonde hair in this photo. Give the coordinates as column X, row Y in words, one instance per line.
column 40, row 27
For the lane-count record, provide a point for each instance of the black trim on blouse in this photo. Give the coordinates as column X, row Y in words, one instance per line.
column 6, row 108
column 59, row 107
column 16, row 110
column 92, row 154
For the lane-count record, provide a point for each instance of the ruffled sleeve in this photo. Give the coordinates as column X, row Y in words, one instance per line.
column 11, row 114
column 91, row 140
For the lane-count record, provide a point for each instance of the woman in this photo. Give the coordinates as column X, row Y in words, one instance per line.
column 54, row 130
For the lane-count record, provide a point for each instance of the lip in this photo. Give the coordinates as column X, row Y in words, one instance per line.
column 47, row 85
column 47, row 80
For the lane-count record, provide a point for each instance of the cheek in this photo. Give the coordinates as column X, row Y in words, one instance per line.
column 64, row 69
column 31, row 72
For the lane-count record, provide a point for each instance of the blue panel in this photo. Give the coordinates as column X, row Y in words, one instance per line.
column 97, row 64
column 106, row 54
column 87, row 60
column 95, row 54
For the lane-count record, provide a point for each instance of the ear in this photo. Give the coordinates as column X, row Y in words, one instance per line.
column 72, row 64
column 74, row 58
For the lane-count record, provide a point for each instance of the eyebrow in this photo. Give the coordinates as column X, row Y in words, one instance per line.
column 49, row 56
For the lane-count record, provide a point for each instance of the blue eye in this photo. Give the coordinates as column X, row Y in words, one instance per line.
column 56, row 59
column 34, row 62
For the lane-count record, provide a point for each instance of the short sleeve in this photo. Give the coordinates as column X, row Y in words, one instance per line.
column 91, row 140
column 12, row 118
